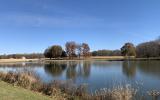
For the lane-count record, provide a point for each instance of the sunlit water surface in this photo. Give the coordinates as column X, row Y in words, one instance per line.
column 142, row 75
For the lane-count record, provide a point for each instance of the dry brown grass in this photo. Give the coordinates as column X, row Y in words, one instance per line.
column 16, row 60
column 108, row 57
column 67, row 90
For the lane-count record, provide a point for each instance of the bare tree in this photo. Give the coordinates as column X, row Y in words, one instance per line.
column 106, row 53
column 85, row 49
column 79, row 50
column 148, row 49
column 71, row 48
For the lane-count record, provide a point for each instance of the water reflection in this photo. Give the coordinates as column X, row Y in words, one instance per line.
column 21, row 64
column 86, row 68
column 71, row 72
column 97, row 74
column 129, row 68
column 55, row 69
column 72, row 69
column 151, row 68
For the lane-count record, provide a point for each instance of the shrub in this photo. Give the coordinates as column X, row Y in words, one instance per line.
column 25, row 80
column 67, row 89
column 2, row 76
column 10, row 77
column 117, row 93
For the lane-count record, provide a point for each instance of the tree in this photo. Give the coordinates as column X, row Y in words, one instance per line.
column 47, row 53
column 71, row 48
column 106, row 53
column 128, row 50
column 64, row 54
column 148, row 49
column 79, row 50
column 85, row 49
column 55, row 69
column 56, row 51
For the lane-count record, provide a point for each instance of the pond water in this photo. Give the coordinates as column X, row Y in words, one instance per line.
column 142, row 75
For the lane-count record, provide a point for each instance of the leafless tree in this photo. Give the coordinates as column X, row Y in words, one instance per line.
column 148, row 49
column 71, row 48
column 106, row 53
column 85, row 49
column 79, row 50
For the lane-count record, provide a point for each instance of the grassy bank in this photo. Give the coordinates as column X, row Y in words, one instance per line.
column 59, row 89
column 9, row 92
column 26, row 86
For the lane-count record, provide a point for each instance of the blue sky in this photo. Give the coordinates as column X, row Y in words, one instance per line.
column 28, row 26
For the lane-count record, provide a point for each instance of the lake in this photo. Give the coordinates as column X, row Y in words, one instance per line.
column 142, row 75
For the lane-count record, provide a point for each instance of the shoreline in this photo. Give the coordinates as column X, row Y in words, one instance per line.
column 103, row 58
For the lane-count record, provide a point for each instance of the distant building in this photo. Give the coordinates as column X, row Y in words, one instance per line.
column 23, row 58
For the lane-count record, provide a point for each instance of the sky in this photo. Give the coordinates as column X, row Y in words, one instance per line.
column 28, row 26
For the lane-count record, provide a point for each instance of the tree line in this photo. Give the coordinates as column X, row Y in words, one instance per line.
column 19, row 56
column 142, row 50
column 106, row 53
column 72, row 49
column 148, row 49
column 79, row 50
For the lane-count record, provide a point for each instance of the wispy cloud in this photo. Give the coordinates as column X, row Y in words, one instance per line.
column 28, row 20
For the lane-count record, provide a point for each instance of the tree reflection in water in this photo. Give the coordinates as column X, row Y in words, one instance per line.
column 86, row 68
column 78, row 69
column 151, row 68
column 73, row 69
column 129, row 68
column 71, row 72
column 55, row 69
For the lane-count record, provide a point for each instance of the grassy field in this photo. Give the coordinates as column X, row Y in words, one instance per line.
column 16, row 60
column 107, row 57
column 9, row 92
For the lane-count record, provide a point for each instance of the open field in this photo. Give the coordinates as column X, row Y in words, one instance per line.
column 121, row 58
column 91, row 58
column 108, row 57
column 9, row 92
column 17, row 60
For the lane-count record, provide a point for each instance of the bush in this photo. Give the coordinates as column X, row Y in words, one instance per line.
column 117, row 93
column 10, row 77
column 36, row 86
column 67, row 90
column 25, row 80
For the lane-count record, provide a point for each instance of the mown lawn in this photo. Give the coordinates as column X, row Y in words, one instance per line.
column 9, row 92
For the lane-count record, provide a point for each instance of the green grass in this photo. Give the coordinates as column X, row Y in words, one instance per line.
column 9, row 92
